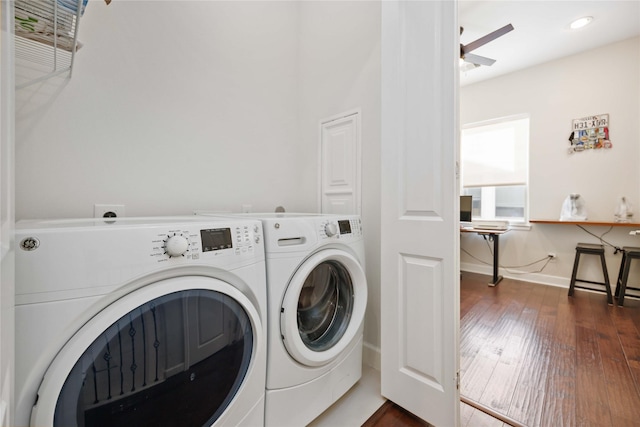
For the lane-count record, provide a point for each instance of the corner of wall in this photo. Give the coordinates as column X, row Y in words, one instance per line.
column 371, row 356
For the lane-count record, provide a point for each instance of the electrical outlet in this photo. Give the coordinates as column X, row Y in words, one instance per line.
column 552, row 255
column 108, row 211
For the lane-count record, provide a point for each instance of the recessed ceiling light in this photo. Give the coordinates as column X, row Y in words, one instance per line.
column 579, row 23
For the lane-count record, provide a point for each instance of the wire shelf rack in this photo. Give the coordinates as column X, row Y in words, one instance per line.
column 46, row 38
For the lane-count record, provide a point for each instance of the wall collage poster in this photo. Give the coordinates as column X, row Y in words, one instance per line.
column 590, row 133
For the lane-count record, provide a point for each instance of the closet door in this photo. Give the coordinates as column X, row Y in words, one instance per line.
column 420, row 235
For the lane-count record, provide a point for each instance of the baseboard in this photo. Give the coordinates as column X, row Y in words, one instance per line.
column 371, row 356
column 545, row 279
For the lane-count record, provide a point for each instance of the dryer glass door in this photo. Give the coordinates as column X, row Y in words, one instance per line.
column 176, row 360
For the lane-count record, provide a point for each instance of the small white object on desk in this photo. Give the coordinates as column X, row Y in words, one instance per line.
column 634, row 232
column 624, row 211
column 573, row 208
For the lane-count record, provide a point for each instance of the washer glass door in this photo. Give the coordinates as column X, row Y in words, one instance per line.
column 323, row 307
column 175, row 360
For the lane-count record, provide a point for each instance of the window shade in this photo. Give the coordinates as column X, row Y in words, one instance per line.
column 495, row 154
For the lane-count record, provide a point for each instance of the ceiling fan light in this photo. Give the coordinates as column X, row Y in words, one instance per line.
column 581, row 22
column 467, row 66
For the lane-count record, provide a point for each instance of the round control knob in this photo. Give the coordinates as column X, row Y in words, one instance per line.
column 176, row 245
column 331, row 229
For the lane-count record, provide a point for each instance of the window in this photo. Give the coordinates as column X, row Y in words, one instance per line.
column 495, row 161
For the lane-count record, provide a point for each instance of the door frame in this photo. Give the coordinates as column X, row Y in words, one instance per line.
column 7, row 214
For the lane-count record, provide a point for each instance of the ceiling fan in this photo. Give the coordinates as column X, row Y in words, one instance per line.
column 481, row 60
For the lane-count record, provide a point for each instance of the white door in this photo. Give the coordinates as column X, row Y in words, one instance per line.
column 420, row 235
column 340, row 164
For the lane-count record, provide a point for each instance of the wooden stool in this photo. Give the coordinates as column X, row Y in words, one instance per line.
column 591, row 249
column 628, row 254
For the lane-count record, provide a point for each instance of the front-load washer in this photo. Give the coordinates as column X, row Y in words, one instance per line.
column 317, row 295
column 140, row 321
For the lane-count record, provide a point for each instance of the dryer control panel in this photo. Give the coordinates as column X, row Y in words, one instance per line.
column 337, row 228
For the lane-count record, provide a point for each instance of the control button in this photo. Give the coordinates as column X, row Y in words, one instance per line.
column 176, row 245
column 330, row 229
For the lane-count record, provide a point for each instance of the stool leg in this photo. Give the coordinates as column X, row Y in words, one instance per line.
column 573, row 275
column 623, row 282
column 619, row 281
column 606, row 280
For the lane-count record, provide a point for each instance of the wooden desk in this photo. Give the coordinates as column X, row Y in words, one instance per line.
column 595, row 223
column 495, row 236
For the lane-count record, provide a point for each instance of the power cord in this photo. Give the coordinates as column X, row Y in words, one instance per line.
column 616, row 249
column 547, row 258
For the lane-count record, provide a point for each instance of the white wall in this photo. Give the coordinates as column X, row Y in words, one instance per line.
column 340, row 71
column 175, row 106
column 601, row 81
column 172, row 106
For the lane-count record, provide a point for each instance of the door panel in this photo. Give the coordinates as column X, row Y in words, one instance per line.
column 208, row 321
column 421, row 308
column 340, row 164
column 420, row 239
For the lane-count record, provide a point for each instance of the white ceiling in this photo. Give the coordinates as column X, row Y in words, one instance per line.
column 541, row 31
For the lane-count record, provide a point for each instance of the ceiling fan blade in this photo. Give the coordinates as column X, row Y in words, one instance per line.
column 486, row 39
column 479, row 60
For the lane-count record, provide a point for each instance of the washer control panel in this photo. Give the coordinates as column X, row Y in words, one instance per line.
column 194, row 244
column 338, row 228
column 246, row 237
column 175, row 243
column 57, row 258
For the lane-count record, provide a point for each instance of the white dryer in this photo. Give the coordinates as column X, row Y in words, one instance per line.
column 317, row 296
column 140, row 321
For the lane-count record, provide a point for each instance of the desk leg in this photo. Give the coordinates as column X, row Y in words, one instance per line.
column 496, row 247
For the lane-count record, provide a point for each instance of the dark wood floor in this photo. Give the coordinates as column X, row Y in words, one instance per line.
column 391, row 415
column 532, row 353
column 545, row 359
